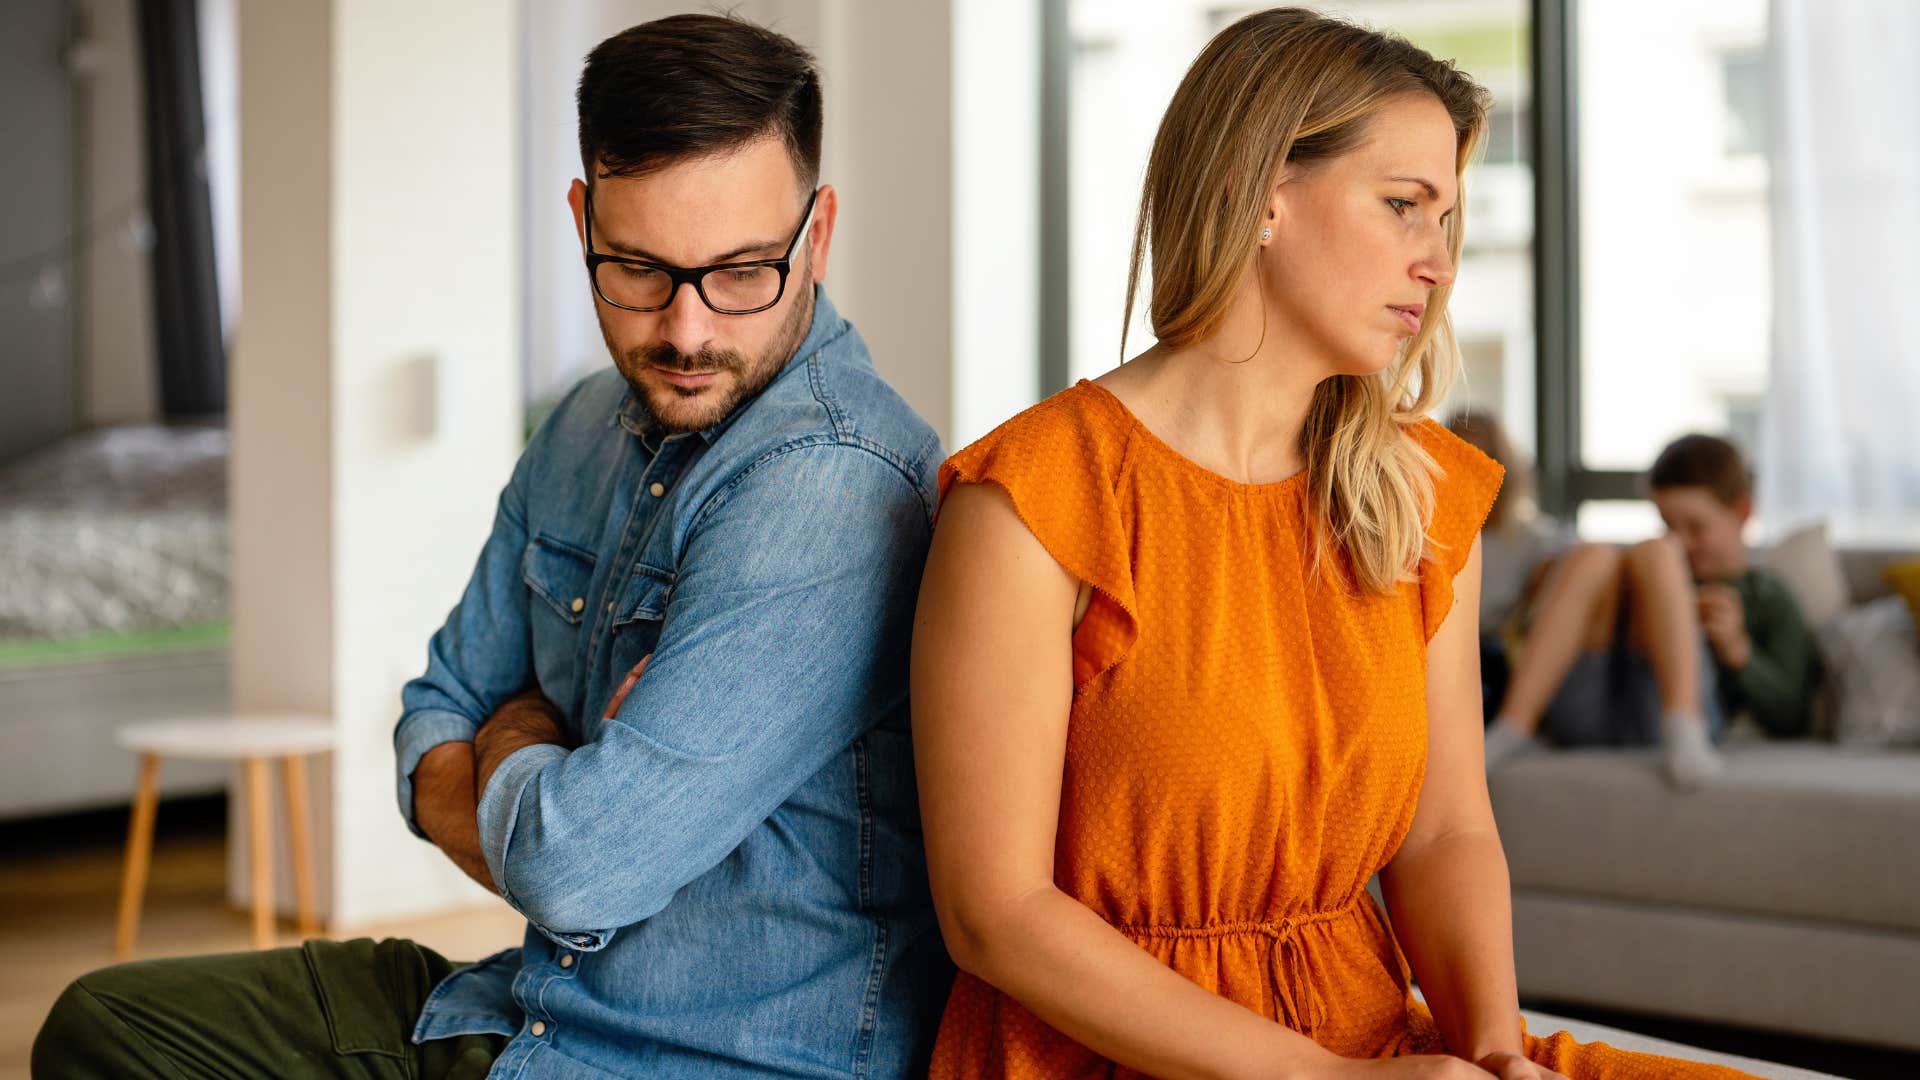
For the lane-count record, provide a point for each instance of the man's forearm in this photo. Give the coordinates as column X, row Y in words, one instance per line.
column 444, row 802
column 526, row 720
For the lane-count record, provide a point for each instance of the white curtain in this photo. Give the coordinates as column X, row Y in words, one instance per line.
column 1841, row 430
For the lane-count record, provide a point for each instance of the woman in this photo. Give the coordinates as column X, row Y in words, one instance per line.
column 1189, row 666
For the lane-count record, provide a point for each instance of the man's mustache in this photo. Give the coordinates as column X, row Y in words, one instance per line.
column 666, row 356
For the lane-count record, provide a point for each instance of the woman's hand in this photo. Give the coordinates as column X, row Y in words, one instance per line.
column 1511, row 1066
column 1421, row 1067
column 1504, row 1064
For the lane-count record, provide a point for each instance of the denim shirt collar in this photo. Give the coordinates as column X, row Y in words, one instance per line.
column 827, row 325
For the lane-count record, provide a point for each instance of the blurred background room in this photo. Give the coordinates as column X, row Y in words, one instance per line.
column 284, row 286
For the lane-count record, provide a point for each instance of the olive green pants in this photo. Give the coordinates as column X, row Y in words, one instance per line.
column 326, row 1009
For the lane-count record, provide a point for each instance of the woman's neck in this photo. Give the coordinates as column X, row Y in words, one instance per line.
column 1239, row 419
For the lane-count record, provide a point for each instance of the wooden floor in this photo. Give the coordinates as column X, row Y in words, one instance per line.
column 60, row 880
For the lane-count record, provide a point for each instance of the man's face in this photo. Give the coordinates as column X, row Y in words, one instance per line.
column 688, row 365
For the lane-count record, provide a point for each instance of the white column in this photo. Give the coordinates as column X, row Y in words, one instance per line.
column 376, row 401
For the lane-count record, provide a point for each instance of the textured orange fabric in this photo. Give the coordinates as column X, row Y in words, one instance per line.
column 1246, row 741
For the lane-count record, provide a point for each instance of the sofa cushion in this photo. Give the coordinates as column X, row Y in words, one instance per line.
column 1791, row 829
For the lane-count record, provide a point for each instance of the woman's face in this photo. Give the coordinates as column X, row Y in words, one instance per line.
column 1358, row 242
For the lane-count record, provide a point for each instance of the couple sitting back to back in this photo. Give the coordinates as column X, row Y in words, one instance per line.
column 1193, row 650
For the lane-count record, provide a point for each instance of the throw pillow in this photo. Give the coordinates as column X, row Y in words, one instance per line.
column 1873, row 665
column 1905, row 579
column 1812, row 571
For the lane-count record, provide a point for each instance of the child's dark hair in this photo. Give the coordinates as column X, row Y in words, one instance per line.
column 1703, row 461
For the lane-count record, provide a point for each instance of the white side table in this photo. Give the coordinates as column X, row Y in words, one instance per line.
column 252, row 740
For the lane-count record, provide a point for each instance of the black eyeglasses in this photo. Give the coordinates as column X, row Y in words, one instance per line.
column 733, row 288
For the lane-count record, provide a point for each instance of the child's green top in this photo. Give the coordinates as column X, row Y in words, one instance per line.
column 1778, row 681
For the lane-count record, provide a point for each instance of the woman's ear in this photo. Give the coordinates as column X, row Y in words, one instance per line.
column 1276, row 215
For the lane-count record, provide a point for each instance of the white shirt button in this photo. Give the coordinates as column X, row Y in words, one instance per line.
column 656, row 489
column 539, row 1028
column 566, row 961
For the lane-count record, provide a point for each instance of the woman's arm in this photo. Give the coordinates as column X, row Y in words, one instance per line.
column 992, row 687
column 1447, row 888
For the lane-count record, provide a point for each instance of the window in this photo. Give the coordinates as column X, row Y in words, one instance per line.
column 1675, row 296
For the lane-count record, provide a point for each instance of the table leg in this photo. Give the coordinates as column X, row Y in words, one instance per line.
column 294, row 779
column 260, row 841
column 133, row 883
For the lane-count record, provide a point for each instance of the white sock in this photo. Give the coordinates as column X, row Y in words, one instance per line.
column 1505, row 740
column 1691, row 761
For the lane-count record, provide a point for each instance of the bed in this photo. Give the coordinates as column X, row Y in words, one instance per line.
column 114, row 602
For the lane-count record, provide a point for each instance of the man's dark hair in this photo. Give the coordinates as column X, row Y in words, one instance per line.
column 1703, row 461
column 691, row 85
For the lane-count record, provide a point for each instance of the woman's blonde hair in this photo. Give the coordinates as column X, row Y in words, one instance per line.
column 1289, row 86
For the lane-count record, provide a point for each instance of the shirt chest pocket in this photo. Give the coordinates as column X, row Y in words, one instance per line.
column 640, row 610
column 558, row 576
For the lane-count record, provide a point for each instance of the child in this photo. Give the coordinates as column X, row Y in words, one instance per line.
column 1763, row 653
column 1657, row 643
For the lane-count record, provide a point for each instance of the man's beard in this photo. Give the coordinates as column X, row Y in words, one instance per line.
column 678, row 409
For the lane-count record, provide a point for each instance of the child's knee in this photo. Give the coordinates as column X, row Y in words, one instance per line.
column 1664, row 550
column 1602, row 559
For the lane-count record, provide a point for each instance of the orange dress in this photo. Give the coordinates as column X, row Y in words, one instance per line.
column 1246, row 742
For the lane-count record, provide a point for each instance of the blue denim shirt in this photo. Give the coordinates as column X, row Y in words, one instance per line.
column 726, row 879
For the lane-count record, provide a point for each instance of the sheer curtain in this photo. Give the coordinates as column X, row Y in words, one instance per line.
column 1841, row 428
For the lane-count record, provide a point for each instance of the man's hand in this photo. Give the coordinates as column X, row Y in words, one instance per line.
column 1723, row 620
column 526, row 720
column 444, row 804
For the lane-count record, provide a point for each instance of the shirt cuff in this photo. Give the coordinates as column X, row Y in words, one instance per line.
column 416, row 734
column 499, row 814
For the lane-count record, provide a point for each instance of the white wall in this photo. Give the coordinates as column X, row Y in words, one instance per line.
column 376, row 383
column 280, row 412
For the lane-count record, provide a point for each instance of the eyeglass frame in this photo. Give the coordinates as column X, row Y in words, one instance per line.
column 693, row 275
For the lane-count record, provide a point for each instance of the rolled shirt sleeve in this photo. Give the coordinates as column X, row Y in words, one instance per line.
column 478, row 658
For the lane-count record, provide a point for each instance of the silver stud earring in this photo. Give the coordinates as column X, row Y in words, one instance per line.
column 1266, row 234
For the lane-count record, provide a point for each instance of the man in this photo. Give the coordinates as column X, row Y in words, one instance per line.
column 667, row 720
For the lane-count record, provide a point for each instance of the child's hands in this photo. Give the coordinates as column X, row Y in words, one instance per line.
column 1723, row 620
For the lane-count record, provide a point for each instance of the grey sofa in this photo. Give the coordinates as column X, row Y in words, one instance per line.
column 1786, row 896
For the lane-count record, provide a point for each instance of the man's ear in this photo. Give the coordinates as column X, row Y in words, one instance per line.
column 1743, row 508
column 577, row 199
column 826, row 210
